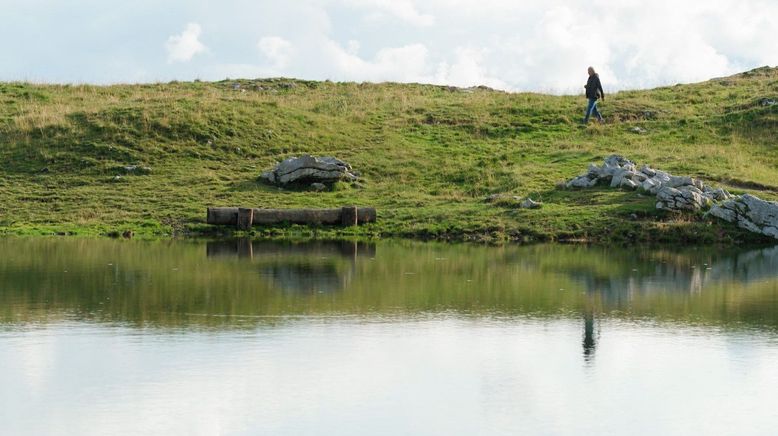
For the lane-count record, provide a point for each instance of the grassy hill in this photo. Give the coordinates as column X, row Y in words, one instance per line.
column 429, row 155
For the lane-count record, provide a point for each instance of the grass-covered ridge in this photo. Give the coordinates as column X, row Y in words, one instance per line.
column 429, row 155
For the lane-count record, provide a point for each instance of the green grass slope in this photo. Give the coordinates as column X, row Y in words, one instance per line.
column 429, row 155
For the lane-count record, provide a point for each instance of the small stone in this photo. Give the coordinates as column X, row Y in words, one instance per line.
column 494, row 197
column 582, row 182
column 638, row 130
column 318, row 187
column 528, row 203
column 136, row 169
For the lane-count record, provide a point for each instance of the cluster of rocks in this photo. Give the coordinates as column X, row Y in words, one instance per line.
column 310, row 170
column 681, row 193
column 672, row 192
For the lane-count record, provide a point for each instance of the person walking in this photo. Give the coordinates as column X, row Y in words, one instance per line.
column 594, row 92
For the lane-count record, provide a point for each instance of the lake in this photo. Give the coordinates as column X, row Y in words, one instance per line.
column 114, row 337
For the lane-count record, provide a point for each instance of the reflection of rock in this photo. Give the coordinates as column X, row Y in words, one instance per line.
column 680, row 273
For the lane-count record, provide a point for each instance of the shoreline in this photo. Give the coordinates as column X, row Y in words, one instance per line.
column 701, row 233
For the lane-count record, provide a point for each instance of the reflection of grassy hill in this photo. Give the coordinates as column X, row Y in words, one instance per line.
column 429, row 154
column 176, row 284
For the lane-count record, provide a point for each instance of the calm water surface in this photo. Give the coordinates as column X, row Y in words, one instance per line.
column 101, row 337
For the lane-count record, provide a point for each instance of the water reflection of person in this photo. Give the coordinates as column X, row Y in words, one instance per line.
column 589, row 341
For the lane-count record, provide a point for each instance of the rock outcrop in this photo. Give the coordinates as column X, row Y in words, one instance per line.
column 681, row 193
column 673, row 192
column 308, row 170
column 750, row 213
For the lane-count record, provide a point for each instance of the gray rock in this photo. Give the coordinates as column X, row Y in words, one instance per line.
column 639, row 177
column 269, row 177
column 628, row 184
column 617, row 177
column 626, row 174
column 750, row 213
column 318, row 186
column 718, row 194
column 662, row 176
column 678, row 181
column 528, row 203
column 309, row 169
column 616, row 160
column 648, row 171
column 686, row 198
column 638, row 130
column 582, row 182
column 651, row 185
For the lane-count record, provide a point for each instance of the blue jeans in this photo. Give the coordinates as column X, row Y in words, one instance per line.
column 591, row 108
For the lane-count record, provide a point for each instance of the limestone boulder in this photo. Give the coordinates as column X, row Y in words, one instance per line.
column 751, row 213
column 308, row 169
column 686, row 198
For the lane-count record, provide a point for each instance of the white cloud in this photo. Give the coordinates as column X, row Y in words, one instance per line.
column 277, row 50
column 405, row 10
column 183, row 47
column 537, row 45
column 404, row 64
column 467, row 70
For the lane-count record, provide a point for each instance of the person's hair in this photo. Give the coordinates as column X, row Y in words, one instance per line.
column 592, row 70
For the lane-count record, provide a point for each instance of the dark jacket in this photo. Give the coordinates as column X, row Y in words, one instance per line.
column 594, row 88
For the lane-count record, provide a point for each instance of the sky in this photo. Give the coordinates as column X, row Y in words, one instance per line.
column 514, row 45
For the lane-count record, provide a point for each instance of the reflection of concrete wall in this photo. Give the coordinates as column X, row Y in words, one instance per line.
column 303, row 268
column 686, row 274
column 248, row 248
